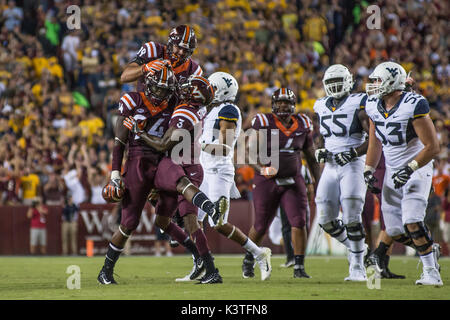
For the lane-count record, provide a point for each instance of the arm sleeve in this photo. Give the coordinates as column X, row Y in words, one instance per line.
column 422, row 109
column 362, row 104
column 229, row 113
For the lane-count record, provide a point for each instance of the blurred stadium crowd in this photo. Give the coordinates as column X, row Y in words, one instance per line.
column 59, row 88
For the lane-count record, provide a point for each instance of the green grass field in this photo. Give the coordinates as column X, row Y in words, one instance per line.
column 152, row 278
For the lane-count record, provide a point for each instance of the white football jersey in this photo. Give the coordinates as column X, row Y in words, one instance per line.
column 394, row 127
column 210, row 135
column 340, row 126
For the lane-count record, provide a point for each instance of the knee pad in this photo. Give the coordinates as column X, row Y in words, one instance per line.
column 422, row 232
column 355, row 231
column 333, row 228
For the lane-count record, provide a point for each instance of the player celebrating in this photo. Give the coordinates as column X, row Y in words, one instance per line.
column 285, row 186
column 180, row 46
column 342, row 124
column 401, row 128
column 221, row 129
column 195, row 93
column 152, row 111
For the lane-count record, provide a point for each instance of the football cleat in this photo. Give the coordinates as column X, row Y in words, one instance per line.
column 289, row 263
column 248, row 268
column 386, row 273
column 299, row 272
column 356, row 273
column 209, row 278
column 106, row 277
column 264, row 265
column 198, row 270
column 220, row 207
column 430, row 277
column 374, row 261
column 173, row 243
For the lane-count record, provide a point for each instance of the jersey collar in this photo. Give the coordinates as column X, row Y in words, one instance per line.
column 381, row 108
column 287, row 132
column 330, row 105
column 153, row 109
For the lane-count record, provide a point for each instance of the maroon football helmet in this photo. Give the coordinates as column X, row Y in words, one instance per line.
column 160, row 85
column 197, row 91
column 183, row 37
column 283, row 103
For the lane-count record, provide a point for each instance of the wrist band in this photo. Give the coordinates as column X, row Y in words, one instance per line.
column 369, row 168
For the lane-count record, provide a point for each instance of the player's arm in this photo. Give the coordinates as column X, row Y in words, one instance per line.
column 310, row 156
column 426, row 132
column 113, row 191
column 226, row 136
column 374, row 151
column 143, row 63
column 167, row 142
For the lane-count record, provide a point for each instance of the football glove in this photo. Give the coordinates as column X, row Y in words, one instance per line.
column 152, row 66
column 114, row 190
column 370, row 180
column 134, row 126
column 321, row 155
column 345, row 157
column 402, row 176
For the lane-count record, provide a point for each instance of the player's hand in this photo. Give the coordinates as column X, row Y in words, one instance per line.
column 153, row 197
column 133, row 125
column 321, row 155
column 268, row 172
column 402, row 176
column 370, row 180
column 409, row 83
column 345, row 157
column 153, row 66
column 114, row 190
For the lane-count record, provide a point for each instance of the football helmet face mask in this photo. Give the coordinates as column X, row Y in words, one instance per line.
column 161, row 85
column 283, row 103
column 181, row 44
column 337, row 81
column 386, row 78
column 196, row 91
column 225, row 87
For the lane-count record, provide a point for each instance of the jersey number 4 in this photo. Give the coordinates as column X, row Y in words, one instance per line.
column 394, row 132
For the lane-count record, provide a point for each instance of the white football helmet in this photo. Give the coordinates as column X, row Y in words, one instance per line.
column 225, row 87
column 387, row 77
column 337, row 81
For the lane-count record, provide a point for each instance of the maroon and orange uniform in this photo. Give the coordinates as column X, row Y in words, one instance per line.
column 140, row 168
column 287, row 189
column 153, row 50
column 185, row 117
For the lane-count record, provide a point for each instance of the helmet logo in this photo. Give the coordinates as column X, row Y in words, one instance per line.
column 196, row 93
column 229, row 82
column 393, row 71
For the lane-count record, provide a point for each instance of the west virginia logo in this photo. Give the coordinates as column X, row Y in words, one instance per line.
column 229, row 82
column 393, row 71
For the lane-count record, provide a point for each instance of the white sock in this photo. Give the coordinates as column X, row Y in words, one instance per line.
column 428, row 260
column 252, row 247
column 342, row 238
column 357, row 248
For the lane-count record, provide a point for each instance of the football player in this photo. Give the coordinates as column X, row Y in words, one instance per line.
column 283, row 186
column 151, row 110
column 195, row 94
column 401, row 128
column 180, row 46
column 343, row 123
column 221, row 129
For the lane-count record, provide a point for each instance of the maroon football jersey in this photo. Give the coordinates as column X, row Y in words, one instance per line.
column 154, row 50
column 292, row 140
column 155, row 119
column 189, row 118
